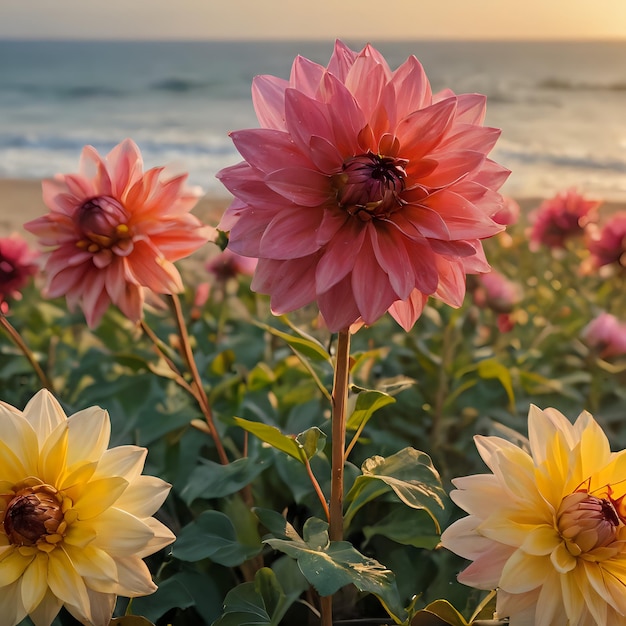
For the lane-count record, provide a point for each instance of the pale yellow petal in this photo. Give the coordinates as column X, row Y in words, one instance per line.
column 20, row 438
column 541, row 540
column 98, row 496
column 65, row 583
column 47, row 610
column 550, row 611
column 44, row 413
column 93, row 562
column 489, row 447
column 134, row 576
column 562, row 560
column 90, row 431
column 125, row 461
column 572, row 599
column 596, row 603
column 463, row 539
column 102, row 606
column 52, row 461
column 12, row 566
column 144, row 496
column 594, row 450
column 614, row 577
column 120, row 533
column 163, row 536
column 80, row 534
column 11, row 607
column 563, row 425
column 524, row 572
column 78, row 478
column 34, row 582
column 12, row 469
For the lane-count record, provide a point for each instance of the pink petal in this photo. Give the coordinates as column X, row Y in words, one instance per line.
column 451, row 287
column 126, row 166
column 291, row 234
column 406, row 312
column 150, row 269
column 453, row 167
column 393, row 258
column 306, row 76
column 341, row 60
column 338, row 306
column 305, row 187
column 471, row 108
column 268, row 97
column 306, row 118
column 266, row 149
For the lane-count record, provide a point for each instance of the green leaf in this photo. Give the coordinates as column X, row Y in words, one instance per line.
column 170, row 594
column 438, row 613
column 214, row 480
column 304, row 344
column 409, row 474
column 367, row 402
column 311, row 441
column 212, row 535
column 258, row 603
column 329, row 566
column 491, row 368
column 273, row 436
column 130, row 620
column 407, row 526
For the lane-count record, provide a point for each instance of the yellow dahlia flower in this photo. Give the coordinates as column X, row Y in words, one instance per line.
column 547, row 528
column 75, row 517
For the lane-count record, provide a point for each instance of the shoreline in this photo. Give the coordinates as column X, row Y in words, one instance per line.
column 21, row 201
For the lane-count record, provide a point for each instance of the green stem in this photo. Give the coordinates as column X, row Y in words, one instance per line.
column 27, row 352
column 187, row 353
column 339, row 410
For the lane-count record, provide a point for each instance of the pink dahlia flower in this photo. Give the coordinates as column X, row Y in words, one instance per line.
column 561, row 218
column 509, row 213
column 608, row 245
column 362, row 191
column 115, row 230
column 496, row 291
column 606, row 334
column 17, row 265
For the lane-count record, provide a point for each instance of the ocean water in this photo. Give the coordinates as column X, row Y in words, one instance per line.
column 561, row 106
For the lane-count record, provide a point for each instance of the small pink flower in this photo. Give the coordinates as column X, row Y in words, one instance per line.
column 496, row 291
column 362, row 191
column 115, row 230
column 229, row 264
column 608, row 245
column 562, row 217
column 606, row 334
column 17, row 265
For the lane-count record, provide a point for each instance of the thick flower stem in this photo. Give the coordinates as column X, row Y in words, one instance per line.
column 203, row 400
column 339, row 408
column 27, row 352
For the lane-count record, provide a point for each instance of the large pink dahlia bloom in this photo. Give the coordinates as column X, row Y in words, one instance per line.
column 115, row 230
column 361, row 190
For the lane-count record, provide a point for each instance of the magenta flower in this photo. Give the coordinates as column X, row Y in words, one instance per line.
column 606, row 334
column 608, row 245
column 362, row 191
column 17, row 265
column 496, row 291
column 115, row 230
column 561, row 218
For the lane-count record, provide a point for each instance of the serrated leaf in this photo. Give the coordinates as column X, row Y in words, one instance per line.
column 212, row 535
column 368, row 401
column 409, row 474
column 329, row 566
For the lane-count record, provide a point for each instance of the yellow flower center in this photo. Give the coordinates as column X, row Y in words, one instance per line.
column 587, row 523
column 36, row 516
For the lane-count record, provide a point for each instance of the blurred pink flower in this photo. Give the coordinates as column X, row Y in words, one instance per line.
column 17, row 265
column 561, row 218
column 497, row 292
column 608, row 244
column 229, row 264
column 362, row 191
column 114, row 230
column 606, row 334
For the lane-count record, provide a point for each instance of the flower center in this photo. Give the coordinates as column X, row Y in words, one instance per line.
column 103, row 224
column 587, row 522
column 35, row 517
column 369, row 185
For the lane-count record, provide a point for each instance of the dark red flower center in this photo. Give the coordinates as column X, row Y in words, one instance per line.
column 103, row 224
column 370, row 185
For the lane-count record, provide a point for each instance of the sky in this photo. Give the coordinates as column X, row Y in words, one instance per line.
column 315, row 19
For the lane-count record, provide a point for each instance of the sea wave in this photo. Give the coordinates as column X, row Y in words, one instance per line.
column 562, row 84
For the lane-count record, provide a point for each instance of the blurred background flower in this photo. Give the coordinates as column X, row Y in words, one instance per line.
column 17, row 265
column 606, row 335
